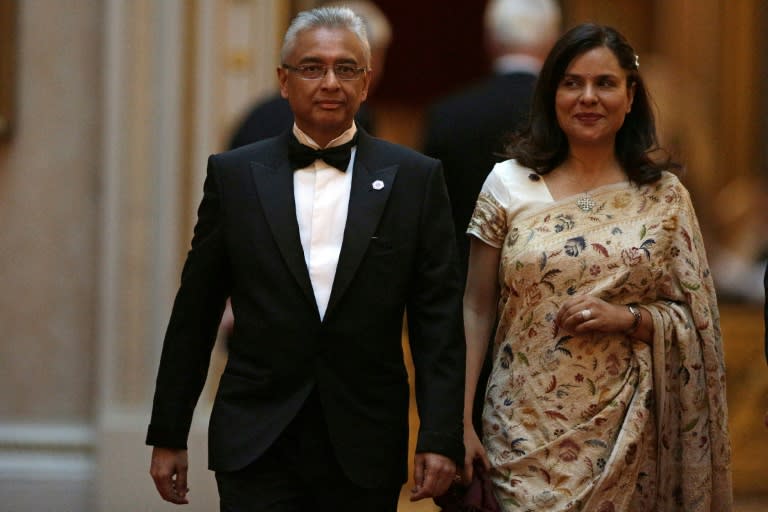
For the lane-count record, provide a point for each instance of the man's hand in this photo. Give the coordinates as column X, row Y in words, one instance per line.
column 169, row 471
column 433, row 474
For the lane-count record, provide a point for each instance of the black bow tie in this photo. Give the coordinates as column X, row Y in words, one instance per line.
column 302, row 156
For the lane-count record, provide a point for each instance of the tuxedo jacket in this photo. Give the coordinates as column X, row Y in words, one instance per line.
column 467, row 131
column 398, row 253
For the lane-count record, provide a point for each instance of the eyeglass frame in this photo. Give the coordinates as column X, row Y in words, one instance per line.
column 302, row 69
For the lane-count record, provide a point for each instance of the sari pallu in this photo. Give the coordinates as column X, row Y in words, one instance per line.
column 603, row 422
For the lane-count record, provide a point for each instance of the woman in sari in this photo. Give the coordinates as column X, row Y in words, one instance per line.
column 608, row 385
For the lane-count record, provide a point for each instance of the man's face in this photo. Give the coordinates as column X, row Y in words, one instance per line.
column 323, row 108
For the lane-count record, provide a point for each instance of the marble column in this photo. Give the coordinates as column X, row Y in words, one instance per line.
column 177, row 74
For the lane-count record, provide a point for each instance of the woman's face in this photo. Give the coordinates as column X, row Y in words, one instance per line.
column 592, row 98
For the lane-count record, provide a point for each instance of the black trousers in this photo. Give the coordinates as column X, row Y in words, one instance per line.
column 300, row 473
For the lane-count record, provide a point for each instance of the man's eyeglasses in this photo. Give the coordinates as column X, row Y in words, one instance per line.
column 318, row 71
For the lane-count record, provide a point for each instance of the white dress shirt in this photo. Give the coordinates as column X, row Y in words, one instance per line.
column 321, row 193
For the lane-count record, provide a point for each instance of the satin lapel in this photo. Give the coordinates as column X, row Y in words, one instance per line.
column 371, row 186
column 275, row 187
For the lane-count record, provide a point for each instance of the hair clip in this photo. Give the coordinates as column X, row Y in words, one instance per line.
column 637, row 61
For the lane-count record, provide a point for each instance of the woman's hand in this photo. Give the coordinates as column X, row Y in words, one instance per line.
column 582, row 314
column 473, row 449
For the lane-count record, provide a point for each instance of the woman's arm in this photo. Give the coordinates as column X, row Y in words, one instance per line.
column 480, row 302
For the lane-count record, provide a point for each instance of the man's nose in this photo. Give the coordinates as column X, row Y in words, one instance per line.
column 330, row 79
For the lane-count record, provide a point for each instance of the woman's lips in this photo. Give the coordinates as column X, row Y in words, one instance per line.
column 588, row 118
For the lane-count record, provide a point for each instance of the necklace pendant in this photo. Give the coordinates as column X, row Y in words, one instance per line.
column 585, row 203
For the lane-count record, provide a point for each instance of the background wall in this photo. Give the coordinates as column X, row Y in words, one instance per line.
column 49, row 202
column 117, row 105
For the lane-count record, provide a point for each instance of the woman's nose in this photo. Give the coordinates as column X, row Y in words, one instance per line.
column 589, row 94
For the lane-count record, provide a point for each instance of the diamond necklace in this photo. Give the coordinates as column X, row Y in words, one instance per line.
column 585, row 202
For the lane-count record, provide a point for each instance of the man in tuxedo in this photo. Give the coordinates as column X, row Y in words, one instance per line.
column 323, row 237
column 466, row 129
column 273, row 115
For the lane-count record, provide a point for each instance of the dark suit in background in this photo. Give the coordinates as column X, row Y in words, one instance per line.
column 765, row 324
column 466, row 132
column 765, row 310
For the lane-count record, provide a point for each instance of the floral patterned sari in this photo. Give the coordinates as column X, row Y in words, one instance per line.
column 603, row 422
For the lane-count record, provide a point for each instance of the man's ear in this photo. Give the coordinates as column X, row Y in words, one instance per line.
column 366, row 86
column 282, row 79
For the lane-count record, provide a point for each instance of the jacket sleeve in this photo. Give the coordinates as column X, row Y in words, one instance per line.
column 435, row 326
column 193, row 325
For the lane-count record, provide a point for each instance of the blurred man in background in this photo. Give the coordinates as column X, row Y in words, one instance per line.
column 467, row 129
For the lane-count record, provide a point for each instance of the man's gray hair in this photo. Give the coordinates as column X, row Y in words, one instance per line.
column 326, row 17
column 522, row 24
column 376, row 23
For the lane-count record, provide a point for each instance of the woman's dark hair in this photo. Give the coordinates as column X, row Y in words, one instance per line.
column 542, row 145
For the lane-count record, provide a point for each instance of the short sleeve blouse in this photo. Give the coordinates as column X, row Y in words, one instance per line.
column 508, row 190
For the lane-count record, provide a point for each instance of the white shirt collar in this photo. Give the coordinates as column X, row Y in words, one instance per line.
column 305, row 139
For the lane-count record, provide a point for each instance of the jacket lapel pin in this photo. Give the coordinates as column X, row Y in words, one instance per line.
column 377, row 185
